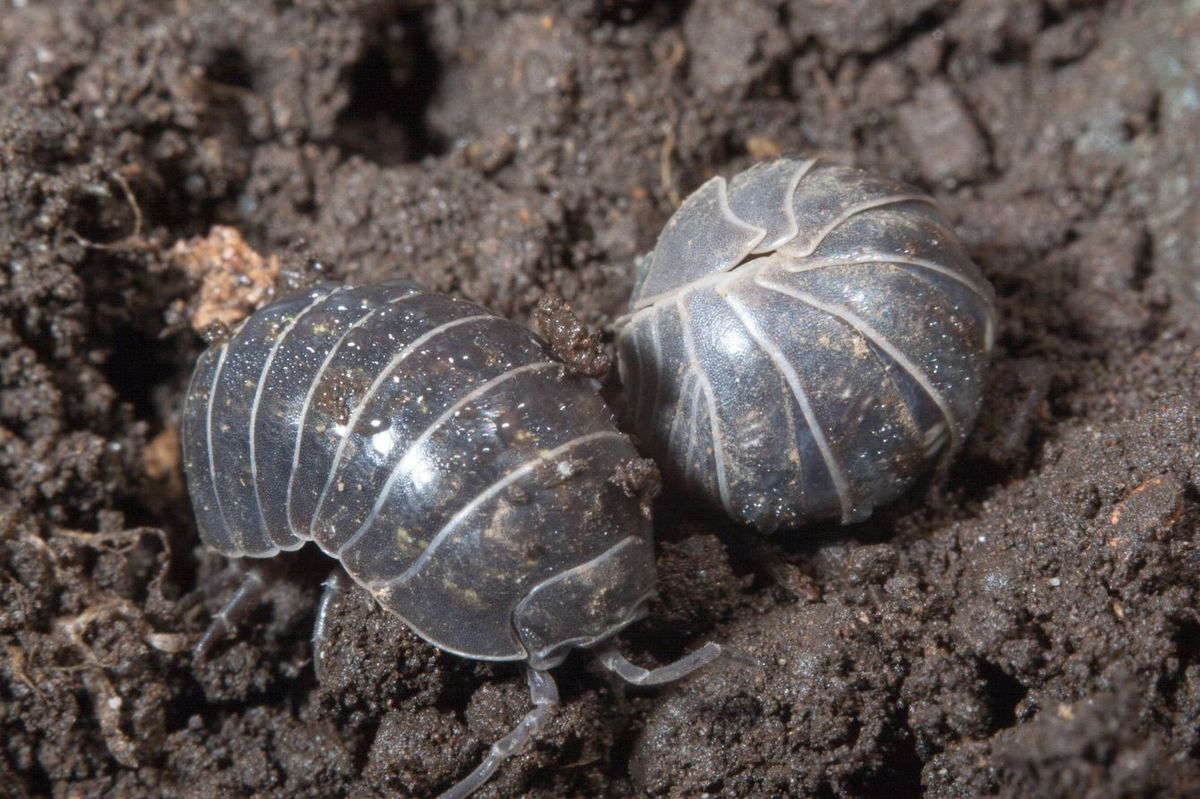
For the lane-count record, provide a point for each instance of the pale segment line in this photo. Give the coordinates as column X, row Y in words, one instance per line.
column 865, row 259
column 258, row 392
column 693, row 368
column 864, row 329
column 312, row 391
column 909, row 414
column 836, row 474
column 685, row 322
column 635, row 397
column 693, row 415
column 853, row 211
column 789, row 202
column 582, row 568
column 789, row 208
column 793, row 439
column 197, row 416
column 681, row 379
column 656, row 366
column 361, row 406
column 398, row 470
column 983, row 289
column 718, row 450
column 633, row 353
column 208, row 435
column 623, row 356
column 645, row 368
column 491, row 491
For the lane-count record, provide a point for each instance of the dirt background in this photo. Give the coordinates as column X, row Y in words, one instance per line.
column 1024, row 625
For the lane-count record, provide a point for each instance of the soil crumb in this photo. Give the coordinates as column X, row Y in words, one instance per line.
column 234, row 280
column 572, row 342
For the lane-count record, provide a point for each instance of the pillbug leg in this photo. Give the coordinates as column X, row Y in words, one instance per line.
column 544, row 693
column 229, row 576
column 338, row 582
column 768, row 559
column 614, row 661
column 244, row 599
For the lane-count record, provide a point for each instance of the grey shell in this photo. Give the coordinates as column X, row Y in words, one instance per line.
column 457, row 471
column 803, row 340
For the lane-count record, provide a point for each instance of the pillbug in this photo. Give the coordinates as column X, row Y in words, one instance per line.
column 802, row 341
column 454, row 468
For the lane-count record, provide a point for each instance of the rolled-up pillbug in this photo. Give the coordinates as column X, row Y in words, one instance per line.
column 457, row 472
column 802, row 341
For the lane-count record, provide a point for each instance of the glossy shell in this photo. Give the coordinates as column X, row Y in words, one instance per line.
column 803, row 340
column 457, row 471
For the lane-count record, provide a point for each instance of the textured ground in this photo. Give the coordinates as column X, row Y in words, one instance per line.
column 1025, row 625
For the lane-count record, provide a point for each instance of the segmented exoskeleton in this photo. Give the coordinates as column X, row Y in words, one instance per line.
column 803, row 340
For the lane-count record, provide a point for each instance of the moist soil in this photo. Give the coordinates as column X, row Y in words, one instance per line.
column 1024, row 623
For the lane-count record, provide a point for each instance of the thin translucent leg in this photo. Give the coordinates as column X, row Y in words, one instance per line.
column 231, row 574
column 769, row 559
column 616, row 662
column 337, row 583
column 244, row 599
column 544, row 694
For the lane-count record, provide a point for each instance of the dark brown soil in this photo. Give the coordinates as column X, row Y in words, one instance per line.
column 1025, row 624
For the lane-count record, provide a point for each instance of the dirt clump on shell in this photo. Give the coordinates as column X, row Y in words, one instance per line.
column 1025, row 624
